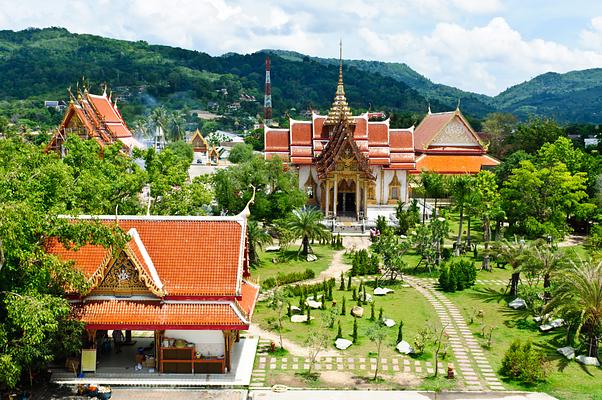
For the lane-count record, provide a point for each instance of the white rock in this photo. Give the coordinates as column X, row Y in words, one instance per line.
column 313, row 304
column 368, row 298
column 357, row 311
column 517, row 303
column 295, row 310
column 382, row 291
column 342, row 344
column 311, row 257
column 404, row 347
column 585, row 360
column 388, row 322
column 272, row 248
column 567, row 351
column 557, row 323
column 299, row 318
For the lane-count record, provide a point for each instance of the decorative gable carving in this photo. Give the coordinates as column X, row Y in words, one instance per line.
column 121, row 278
column 455, row 133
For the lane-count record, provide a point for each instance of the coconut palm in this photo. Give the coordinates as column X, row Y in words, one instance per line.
column 258, row 237
column 305, row 224
column 578, row 299
column 546, row 261
column 514, row 253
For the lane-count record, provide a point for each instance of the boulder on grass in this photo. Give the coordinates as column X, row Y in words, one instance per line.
column 388, row 322
column 517, row 303
column 585, row 360
column 295, row 310
column 382, row 291
column 357, row 311
column 272, row 248
column 567, row 351
column 557, row 323
column 313, row 304
column 404, row 347
column 342, row 344
column 299, row 318
column 312, row 257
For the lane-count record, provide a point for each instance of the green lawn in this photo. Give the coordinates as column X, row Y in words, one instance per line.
column 405, row 304
column 567, row 380
column 268, row 268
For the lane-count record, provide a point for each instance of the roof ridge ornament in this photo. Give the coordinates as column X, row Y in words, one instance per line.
column 246, row 212
column 339, row 111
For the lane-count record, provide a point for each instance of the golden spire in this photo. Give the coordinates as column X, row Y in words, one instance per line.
column 339, row 111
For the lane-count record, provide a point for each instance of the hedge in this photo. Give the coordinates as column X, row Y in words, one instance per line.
column 283, row 279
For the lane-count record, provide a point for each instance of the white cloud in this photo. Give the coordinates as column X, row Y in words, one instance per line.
column 466, row 43
column 591, row 38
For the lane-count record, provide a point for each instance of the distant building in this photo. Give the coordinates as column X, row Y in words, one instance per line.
column 200, row 147
column 591, row 142
column 96, row 117
column 58, row 105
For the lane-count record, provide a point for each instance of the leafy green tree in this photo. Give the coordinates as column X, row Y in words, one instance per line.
column 306, row 224
column 241, row 152
column 487, row 205
column 461, row 187
column 182, row 149
column 377, row 333
column 531, row 135
column 277, row 190
column 499, row 127
column 539, row 200
column 391, row 249
column 577, row 297
column 277, row 302
column 513, row 253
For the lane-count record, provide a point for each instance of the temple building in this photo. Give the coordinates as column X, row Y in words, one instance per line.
column 92, row 116
column 356, row 167
column 184, row 280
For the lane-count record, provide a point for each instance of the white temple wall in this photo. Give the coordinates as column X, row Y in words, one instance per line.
column 376, row 172
column 387, row 178
column 206, row 342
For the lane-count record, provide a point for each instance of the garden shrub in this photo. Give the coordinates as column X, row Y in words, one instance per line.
column 457, row 275
column 524, row 363
column 311, row 288
column 282, row 279
column 364, row 264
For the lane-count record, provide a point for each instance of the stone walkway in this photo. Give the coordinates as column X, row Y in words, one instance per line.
column 472, row 364
column 266, row 363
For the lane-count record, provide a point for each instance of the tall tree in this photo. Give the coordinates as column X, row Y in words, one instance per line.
column 258, row 237
column 306, row 224
column 461, row 189
column 531, row 135
column 499, row 127
column 514, row 253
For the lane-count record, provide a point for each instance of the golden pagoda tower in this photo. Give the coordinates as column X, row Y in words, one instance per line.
column 339, row 111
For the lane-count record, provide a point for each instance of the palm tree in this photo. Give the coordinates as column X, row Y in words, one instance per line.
column 258, row 237
column 305, row 223
column 578, row 298
column 177, row 125
column 514, row 254
column 461, row 188
column 546, row 260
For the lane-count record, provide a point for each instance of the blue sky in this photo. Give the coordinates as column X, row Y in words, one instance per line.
column 483, row 46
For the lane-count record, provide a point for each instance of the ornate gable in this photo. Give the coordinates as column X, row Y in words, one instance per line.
column 455, row 133
column 124, row 273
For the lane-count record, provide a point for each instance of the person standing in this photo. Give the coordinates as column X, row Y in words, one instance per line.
column 118, row 340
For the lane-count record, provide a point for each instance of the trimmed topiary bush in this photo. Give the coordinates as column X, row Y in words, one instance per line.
column 457, row 275
column 524, row 363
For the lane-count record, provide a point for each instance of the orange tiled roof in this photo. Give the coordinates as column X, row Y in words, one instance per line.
column 100, row 118
column 115, row 313
column 249, row 291
column 199, row 256
column 453, row 164
column 307, row 139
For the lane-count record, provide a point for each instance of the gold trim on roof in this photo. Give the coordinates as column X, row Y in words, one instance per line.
column 339, row 111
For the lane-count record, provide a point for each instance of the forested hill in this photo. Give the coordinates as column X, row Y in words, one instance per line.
column 571, row 97
column 40, row 64
column 43, row 63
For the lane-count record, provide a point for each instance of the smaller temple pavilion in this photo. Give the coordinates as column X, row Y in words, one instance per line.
column 183, row 280
column 200, row 147
column 92, row 116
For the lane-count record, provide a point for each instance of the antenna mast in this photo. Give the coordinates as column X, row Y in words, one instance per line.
column 267, row 102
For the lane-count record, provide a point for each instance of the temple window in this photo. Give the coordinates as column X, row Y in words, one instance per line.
column 395, row 189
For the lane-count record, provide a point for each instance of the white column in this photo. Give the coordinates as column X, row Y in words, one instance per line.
column 357, row 196
column 327, row 202
column 334, row 199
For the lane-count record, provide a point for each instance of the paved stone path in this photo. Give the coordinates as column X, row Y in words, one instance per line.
column 259, row 375
column 472, row 364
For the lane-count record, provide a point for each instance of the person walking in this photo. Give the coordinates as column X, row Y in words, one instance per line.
column 118, row 340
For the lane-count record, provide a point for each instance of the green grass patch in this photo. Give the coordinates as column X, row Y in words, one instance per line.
column 270, row 269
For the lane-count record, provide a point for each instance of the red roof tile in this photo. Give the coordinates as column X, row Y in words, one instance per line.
column 249, row 292
column 453, row 164
column 116, row 313
column 401, row 140
column 276, row 140
column 429, row 127
column 300, row 133
column 378, row 134
column 196, row 257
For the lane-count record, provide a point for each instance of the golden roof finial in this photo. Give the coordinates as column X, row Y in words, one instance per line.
column 340, row 110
